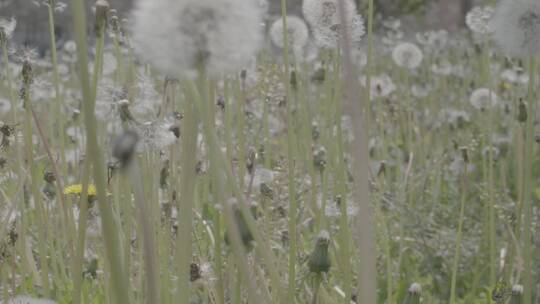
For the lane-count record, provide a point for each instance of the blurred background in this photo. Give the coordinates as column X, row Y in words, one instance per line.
column 416, row 15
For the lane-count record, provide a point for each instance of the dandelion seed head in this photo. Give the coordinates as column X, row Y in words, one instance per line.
column 433, row 40
column 155, row 136
column 381, row 85
column 178, row 37
column 7, row 27
column 478, row 19
column 330, row 37
column 516, row 27
column 415, row 288
column 325, row 13
column 407, row 55
column 517, row 289
column 5, row 106
column 297, row 32
column 483, row 98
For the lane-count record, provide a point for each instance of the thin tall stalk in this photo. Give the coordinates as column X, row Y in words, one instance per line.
column 367, row 271
column 118, row 275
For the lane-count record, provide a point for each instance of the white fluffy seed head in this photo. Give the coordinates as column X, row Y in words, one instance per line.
column 415, row 288
column 478, row 19
column 180, row 36
column 516, row 27
column 8, row 26
column 326, row 22
column 407, row 55
column 297, row 33
column 325, row 13
column 517, row 289
column 483, row 98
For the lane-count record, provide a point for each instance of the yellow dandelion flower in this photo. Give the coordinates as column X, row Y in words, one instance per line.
column 77, row 189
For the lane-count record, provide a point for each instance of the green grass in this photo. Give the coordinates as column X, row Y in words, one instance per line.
column 395, row 196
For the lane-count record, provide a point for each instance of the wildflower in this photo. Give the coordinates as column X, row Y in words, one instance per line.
column 57, row 6
column 325, row 13
column 184, row 36
column 319, row 260
column 517, row 294
column 413, row 294
column 7, row 27
column 77, row 190
column 478, row 19
column 407, row 55
column 156, row 135
column 5, row 106
column 433, row 40
column 483, row 98
column 381, row 86
column 297, row 32
column 330, row 37
column 515, row 75
column 101, row 10
column 516, row 27
column 319, row 158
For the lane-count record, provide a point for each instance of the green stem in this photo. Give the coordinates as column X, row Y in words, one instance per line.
column 457, row 251
column 118, row 274
column 187, row 199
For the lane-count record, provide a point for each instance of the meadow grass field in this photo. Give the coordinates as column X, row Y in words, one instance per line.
column 203, row 151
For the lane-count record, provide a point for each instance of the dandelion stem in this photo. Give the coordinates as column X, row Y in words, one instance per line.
column 110, row 231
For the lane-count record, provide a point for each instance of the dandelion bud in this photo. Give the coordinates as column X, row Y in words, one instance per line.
column 319, row 158
column 91, row 269
column 115, row 23
column 164, row 174
column 6, row 30
column 266, row 191
column 3, row 162
column 125, row 113
column 102, row 16
column 3, row 36
column 194, row 272
column 315, row 132
column 465, row 154
column 251, row 159
column 517, row 294
column 26, row 73
column 319, row 260
column 522, row 111
column 243, row 75
column 319, row 75
column 382, row 169
column 49, row 177
column 221, row 103
column 293, row 80
column 245, row 233
column 124, row 147
column 413, row 294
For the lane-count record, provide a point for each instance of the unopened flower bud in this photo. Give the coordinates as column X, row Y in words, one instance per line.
column 319, row 158
column 124, row 147
column 243, row 229
column 318, row 76
column 102, row 16
column 465, row 154
column 293, row 80
column 319, row 260
column 522, row 111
